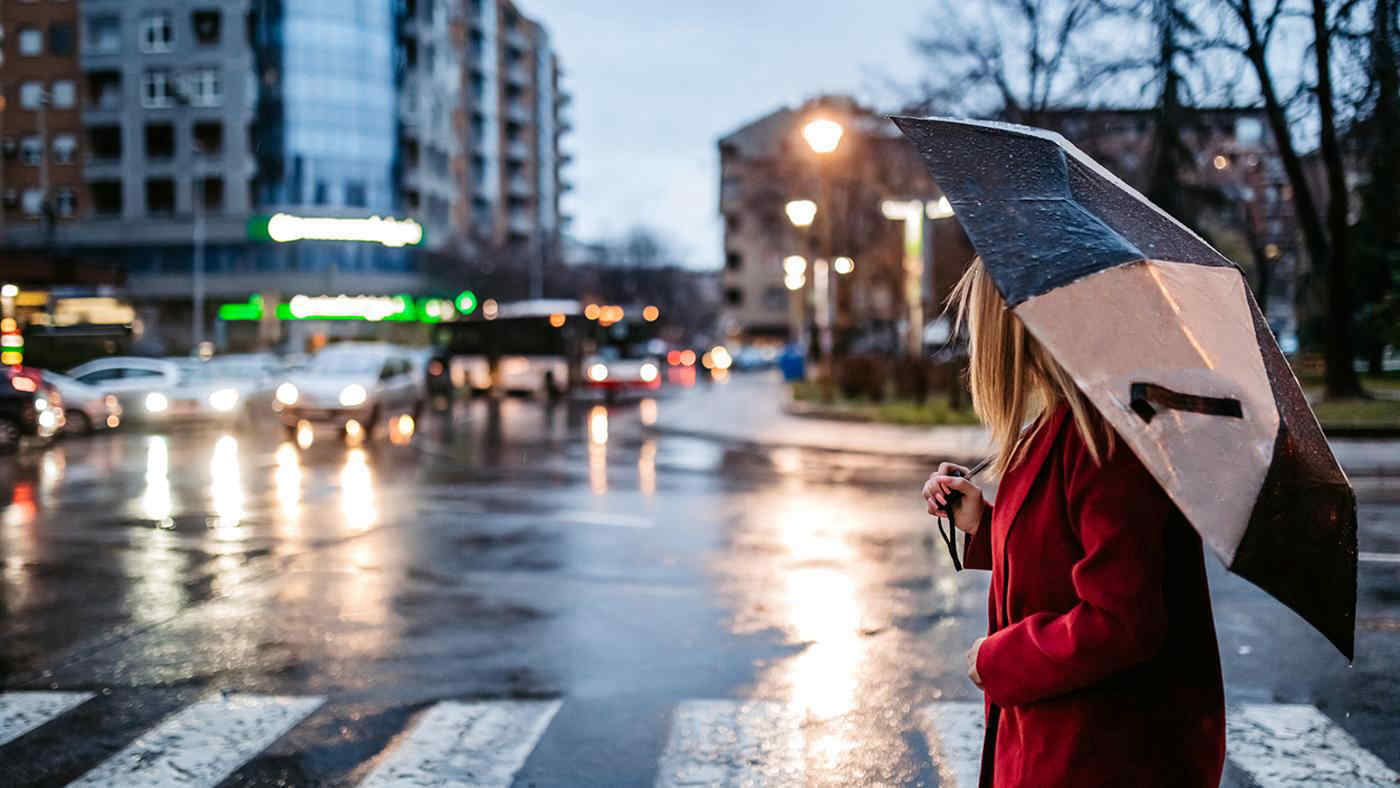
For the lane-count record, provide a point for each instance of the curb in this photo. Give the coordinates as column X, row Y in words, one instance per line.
column 753, row 445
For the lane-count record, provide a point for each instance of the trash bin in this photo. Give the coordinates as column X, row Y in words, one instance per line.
column 793, row 363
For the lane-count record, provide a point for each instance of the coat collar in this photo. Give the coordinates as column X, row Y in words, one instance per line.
column 1020, row 478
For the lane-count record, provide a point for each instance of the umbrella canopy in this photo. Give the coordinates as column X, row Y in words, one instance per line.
column 1162, row 334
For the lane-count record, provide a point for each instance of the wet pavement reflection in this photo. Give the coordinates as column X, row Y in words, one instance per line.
column 512, row 549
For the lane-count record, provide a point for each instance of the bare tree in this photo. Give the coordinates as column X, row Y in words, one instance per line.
column 1012, row 59
column 1324, row 234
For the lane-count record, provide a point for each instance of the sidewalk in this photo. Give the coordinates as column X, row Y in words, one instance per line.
column 748, row 409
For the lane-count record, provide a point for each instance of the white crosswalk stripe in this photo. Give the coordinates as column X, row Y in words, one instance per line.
column 1280, row 745
column 203, row 743
column 22, row 712
column 1270, row 745
column 953, row 731
column 733, row 743
column 461, row 744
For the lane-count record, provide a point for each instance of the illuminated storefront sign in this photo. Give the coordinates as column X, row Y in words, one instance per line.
column 373, row 308
column 286, row 228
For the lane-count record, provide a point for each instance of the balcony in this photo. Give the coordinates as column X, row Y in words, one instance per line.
column 518, row 151
column 517, row 112
column 520, row 222
column 517, row 75
column 518, row 186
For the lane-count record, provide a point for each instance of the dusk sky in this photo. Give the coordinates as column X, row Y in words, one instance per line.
column 656, row 84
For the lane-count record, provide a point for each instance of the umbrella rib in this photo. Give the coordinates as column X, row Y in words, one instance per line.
column 1185, row 329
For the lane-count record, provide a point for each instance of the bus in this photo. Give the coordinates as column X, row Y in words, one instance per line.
column 523, row 347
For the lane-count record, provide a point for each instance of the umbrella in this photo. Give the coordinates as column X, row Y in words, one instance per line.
column 1162, row 334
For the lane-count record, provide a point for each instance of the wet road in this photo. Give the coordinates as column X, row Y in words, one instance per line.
column 555, row 596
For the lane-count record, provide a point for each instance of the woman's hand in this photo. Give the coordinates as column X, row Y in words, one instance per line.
column 972, row 662
column 967, row 512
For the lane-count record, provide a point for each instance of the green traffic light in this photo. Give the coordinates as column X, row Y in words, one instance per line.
column 466, row 302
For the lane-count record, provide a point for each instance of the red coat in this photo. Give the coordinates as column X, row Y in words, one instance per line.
column 1101, row 666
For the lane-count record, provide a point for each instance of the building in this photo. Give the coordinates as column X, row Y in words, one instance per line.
column 200, row 122
column 41, row 129
column 767, row 163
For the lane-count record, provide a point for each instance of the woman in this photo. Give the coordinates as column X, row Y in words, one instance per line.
column 1100, row 666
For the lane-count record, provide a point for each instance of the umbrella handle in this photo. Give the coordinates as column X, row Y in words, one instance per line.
column 951, row 500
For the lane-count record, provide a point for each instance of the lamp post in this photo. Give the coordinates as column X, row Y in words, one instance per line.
column 823, row 137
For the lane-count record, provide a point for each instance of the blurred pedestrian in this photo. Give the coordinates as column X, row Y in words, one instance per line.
column 1100, row 666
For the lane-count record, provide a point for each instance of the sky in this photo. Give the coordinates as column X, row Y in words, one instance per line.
column 656, row 84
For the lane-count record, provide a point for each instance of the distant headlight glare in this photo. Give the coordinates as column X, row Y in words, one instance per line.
column 287, row 394
column 648, row 372
column 156, row 402
column 598, row 373
column 224, row 400
column 352, row 395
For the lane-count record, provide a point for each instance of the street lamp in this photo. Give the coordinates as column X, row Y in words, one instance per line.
column 843, row 265
column 822, row 135
column 801, row 212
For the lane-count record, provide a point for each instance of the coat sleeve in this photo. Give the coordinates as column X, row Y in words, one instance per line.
column 1120, row 514
column 977, row 549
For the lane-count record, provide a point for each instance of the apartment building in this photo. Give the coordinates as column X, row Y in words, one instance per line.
column 41, row 129
column 187, row 124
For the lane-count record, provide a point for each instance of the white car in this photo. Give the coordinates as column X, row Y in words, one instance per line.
column 142, row 385
column 607, row 371
column 355, row 387
column 86, row 408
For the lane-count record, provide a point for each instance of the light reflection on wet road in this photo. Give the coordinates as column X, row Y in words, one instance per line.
column 510, row 549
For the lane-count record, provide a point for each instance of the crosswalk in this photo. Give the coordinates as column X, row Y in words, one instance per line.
column 708, row 742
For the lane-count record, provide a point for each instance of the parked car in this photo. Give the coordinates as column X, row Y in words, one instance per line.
column 28, row 407
column 234, row 387
column 613, row 371
column 142, row 386
column 85, row 408
column 354, row 387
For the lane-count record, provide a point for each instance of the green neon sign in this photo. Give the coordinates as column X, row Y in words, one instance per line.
column 393, row 309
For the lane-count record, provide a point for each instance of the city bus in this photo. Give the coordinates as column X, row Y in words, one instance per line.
column 521, row 347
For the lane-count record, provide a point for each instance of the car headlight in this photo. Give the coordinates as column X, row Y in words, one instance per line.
column 114, row 405
column 48, row 420
column 648, row 372
column 156, row 402
column 352, row 395
column 40, row 403
column 224, row 399
column 287, row 394
column 598, row 373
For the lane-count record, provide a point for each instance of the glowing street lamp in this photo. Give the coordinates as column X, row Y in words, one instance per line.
column 822, row 135
column 801, row 212
column 843, row 265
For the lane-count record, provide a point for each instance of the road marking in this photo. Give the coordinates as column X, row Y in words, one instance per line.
column 204, row 743
column 1296, row 745
column 22, row 712
column 477, row 744
column 1379, row 558
column 733, row 743
column 953, row 731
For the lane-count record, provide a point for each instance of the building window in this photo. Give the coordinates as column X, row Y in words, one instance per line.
column 32, row 203
column 31, row 95
column 160, row 141
column 61, row 38
column 160, row 197
column 734, row 296
column 209, row 138
column 65, row 148
column 65, row 94
column 31, row 151
column 211, row 195
column 31, row 41
column 206, row 24
column 733, row 261
column 156, row 90
column 157, row 32
column 205, row 89
column 66, row 203
column 732, row 222
column 106, row 197
column 321, row 193
column 105, row 143
column 105, row 89
column 104, row 35
column 355, row 194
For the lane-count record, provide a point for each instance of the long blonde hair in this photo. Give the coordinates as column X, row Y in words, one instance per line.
column 1012, row 377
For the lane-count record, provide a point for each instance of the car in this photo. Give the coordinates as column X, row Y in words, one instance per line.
column 28, row 407
column 354, row 387
column 86, row 409
column 228, row 388
column 611, row 372
column 141, row 385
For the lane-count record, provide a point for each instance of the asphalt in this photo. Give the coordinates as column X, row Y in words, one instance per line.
column 620, row 583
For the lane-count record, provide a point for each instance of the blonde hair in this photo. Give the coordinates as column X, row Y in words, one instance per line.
column 1012, row 377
